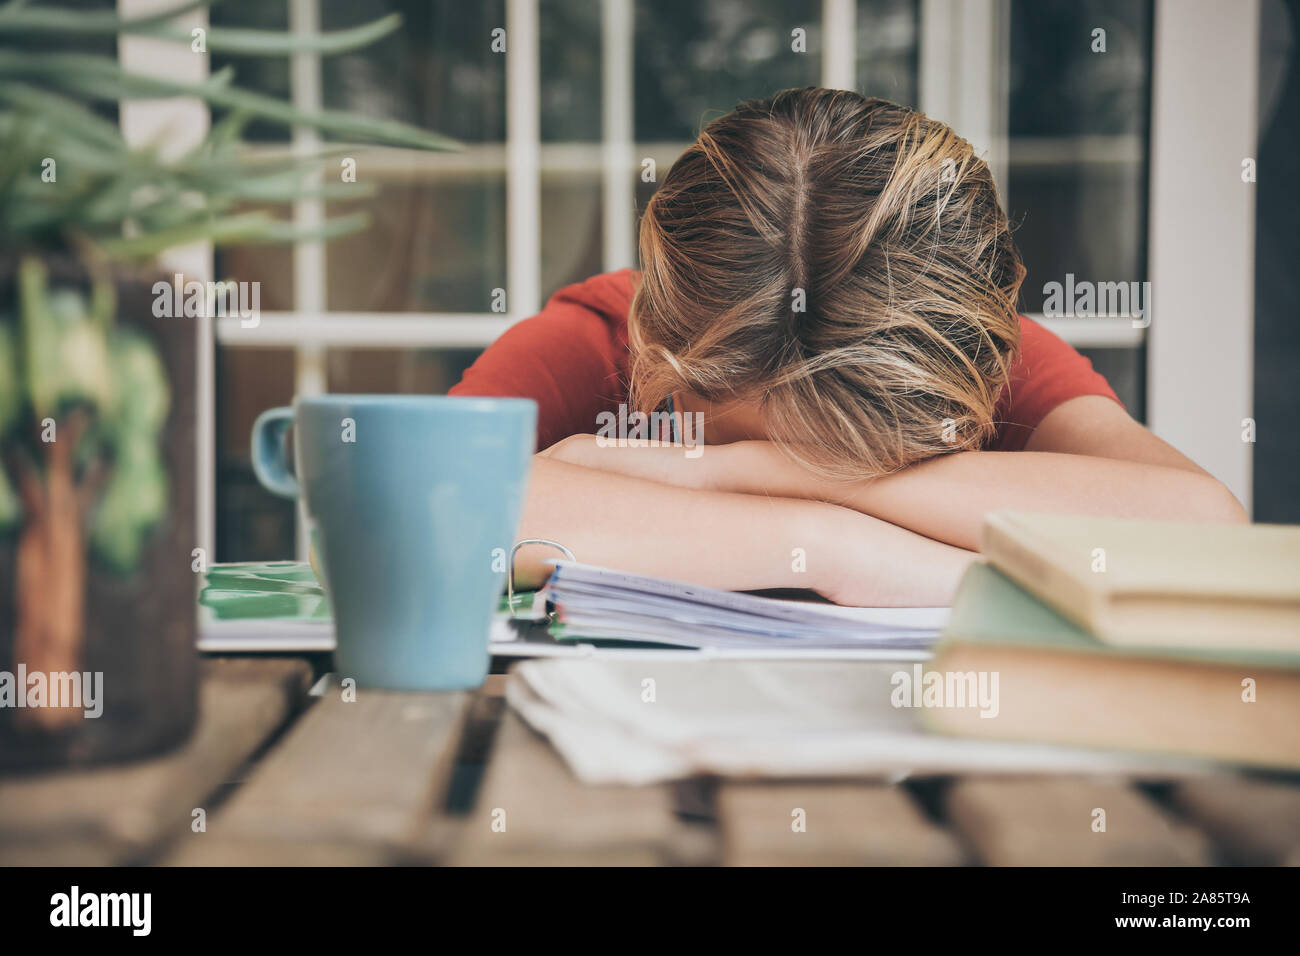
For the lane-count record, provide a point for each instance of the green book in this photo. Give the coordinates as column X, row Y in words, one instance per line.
column 277, row 606
column 1052, row 682
column 990, row 608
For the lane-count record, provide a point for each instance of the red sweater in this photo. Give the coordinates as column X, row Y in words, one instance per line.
column 572, row 359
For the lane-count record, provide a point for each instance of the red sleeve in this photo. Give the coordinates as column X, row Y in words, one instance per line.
column 571, row 358
column 1047, row 373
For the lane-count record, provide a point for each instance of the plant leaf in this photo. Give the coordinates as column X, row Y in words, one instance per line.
column 101, row 78
column 245, row 42
column 237, row 228
column 70, row 114
column 56, row 21
column 17, row 17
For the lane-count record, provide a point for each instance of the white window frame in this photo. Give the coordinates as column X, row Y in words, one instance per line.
column 963, row 61
column 1200, row 343
column 1201, row 234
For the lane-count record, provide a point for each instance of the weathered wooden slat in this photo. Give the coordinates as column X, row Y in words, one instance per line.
column 1050, row 822
column 121, row 814
column 238, row 851
column 351, row 780
column 1252, row 822
column 442, row 829
column 532, row 810
column 844, row 824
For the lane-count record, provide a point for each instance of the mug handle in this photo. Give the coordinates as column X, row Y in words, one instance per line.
column 267, row 449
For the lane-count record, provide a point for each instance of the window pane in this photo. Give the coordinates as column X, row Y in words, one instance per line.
column 1078, row 141
column 262, row 74
column 571, row 228
column 437, row 237
column 396, row 371
column 268, row 75
column 1078, row 123
column 271, row 265
column 436, row 242
column 887, row 50
column 570, row 93
column 438, row 71
column 695, row 61
column 570, row 98
column 252, row 523
column 698, row 56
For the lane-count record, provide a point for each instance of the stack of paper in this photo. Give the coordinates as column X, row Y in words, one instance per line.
column 594, row 603
column 641, row 719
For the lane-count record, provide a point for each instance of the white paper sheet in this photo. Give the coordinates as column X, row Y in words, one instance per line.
column 639, row 720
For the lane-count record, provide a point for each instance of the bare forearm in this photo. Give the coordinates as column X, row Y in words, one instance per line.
column 947, row 498
column 728, row 540
column 712, row 538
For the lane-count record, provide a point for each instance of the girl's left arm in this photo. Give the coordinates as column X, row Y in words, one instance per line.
column 1087, row 456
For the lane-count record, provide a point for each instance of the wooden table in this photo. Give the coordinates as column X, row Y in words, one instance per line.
column 276, row 775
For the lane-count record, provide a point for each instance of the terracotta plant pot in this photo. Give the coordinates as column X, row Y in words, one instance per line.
column 78, row 593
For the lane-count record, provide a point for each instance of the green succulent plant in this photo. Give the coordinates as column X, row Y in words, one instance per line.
column 105, row 186
column 83, row 402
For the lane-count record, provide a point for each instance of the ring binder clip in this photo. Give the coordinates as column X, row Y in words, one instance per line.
column 510, row 565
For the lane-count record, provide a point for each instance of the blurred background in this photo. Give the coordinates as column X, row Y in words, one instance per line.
column 1122, row 163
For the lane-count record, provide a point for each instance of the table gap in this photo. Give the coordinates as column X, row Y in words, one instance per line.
column 473, row 753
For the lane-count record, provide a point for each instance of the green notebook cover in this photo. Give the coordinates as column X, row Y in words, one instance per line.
column 990, row 608
column 263, row 590
column 279, row 591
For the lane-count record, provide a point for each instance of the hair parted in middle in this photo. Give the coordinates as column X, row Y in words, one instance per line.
column 843, row 263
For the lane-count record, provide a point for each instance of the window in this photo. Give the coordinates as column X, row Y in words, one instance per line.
column 1077, row 140
column 407, row 304
column 557, row 135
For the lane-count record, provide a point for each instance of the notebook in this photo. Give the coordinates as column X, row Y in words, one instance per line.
column 1058, row 684
column 1148, row 583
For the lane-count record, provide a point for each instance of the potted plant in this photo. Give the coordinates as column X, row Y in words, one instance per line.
column 97, row 513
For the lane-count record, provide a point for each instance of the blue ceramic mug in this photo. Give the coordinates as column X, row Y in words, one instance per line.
column 414, row 501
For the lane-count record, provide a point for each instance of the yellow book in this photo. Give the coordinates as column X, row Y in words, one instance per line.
column 1157, row 583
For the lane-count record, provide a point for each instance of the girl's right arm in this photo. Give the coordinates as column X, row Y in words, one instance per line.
column 726, row 540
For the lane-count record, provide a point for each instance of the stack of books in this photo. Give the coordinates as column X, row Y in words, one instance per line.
column 1168, row 637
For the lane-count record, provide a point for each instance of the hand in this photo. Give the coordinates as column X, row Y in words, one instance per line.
column 859, row 561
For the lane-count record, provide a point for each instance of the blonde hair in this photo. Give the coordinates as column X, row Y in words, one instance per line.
column 884, row 227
